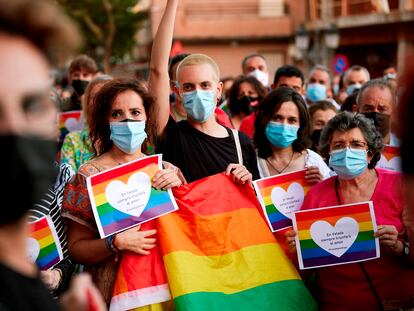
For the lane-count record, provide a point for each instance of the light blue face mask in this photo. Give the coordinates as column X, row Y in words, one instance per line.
column 199, row 104
column 281, row 135
column 335, row 89
column 315, row 92
column 351, row 88
column 348, row 163
column 128, row 136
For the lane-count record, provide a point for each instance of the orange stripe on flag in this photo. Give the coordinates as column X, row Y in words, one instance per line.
column 361, row 217
column 100, row 188
column 42, row 233
column 228, row 235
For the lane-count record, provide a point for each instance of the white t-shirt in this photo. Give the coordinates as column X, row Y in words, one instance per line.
column 312, row 159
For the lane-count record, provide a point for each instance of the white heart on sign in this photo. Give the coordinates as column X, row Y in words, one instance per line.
column 33, row 249
column 130, row 198
column 73, row 124
column 288, row 201
column 394, row 164
column 338, row 239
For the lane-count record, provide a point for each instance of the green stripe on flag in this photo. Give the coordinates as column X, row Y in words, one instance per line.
column 47, row 250
column 283, row 296
column 270, row 209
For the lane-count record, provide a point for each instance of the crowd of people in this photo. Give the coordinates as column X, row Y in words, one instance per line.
column 335, row 128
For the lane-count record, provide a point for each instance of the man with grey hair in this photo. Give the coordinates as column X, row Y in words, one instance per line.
column 377, row 100
column 354, row 77
column 255, row 65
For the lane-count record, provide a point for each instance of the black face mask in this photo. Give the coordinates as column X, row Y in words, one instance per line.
column 80, row 86
column 172, row 98
column 315, row 137
column 382, row 121
column 28, row 171
column 244, row 104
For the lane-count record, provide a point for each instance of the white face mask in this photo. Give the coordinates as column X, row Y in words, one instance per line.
column 263, row 77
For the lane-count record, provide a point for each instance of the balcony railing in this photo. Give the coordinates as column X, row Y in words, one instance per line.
column 325, row 9
column 202, row 9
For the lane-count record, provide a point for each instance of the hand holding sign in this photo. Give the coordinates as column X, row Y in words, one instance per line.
column 122, row 197
column 388, row 236
column 335, row 235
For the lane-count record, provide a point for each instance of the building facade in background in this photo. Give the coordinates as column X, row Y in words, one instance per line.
column 228, row 30
column 372, row 33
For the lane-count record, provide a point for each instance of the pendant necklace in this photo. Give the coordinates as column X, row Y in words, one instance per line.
column 282, row 170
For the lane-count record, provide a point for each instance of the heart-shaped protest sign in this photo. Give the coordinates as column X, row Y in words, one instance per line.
column 288, row 201
column 394, row 164
column 73, row 124
column 33, row 249
column 130, row 198
column 335, row 240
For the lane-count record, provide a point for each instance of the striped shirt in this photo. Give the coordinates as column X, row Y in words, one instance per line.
column 51, row 204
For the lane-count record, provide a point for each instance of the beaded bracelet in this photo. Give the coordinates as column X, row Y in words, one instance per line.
column 110, row 244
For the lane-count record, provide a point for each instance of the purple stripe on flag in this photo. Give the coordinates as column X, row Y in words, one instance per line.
column 287, row 222
column 320, row 261
column 146, row 215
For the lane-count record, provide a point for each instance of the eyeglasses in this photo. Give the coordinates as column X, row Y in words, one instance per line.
column 355, row 144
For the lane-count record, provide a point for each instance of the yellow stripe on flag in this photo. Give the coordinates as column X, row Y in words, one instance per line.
column 100, row 199
column 267, row 200
column 230, row 273
column 46, row 241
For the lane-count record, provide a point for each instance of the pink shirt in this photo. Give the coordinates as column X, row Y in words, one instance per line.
column 345, row 287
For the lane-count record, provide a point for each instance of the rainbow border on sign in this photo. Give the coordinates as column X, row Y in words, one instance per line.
column 109, row 220
column 275, row 219
column 365, row 247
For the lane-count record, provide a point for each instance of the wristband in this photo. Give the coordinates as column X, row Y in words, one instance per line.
column 110, row 245
column 406, row 249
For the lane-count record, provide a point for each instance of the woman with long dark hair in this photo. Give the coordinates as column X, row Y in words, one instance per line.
column 244, row 97
column 282, row 130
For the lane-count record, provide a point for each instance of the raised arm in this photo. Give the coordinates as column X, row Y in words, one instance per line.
column 159, row 80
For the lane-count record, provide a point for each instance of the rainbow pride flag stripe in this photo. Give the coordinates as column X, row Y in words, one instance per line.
column 365, row 246
column 276, row 220
column 111, row 220
column 43, row 231
column 222, row 256
column 63, row 116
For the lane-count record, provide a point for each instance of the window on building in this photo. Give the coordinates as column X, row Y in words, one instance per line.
column 271, row 8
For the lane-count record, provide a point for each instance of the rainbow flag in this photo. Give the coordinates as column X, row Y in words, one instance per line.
column 390, row 159
column 123, row 197
column 141, row 281
column 336, row 235
column 43, row 244
column 70, row 121
column 220, row 255
column 281, row 195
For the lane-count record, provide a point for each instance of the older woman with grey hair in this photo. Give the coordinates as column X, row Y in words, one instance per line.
column 352, row 145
